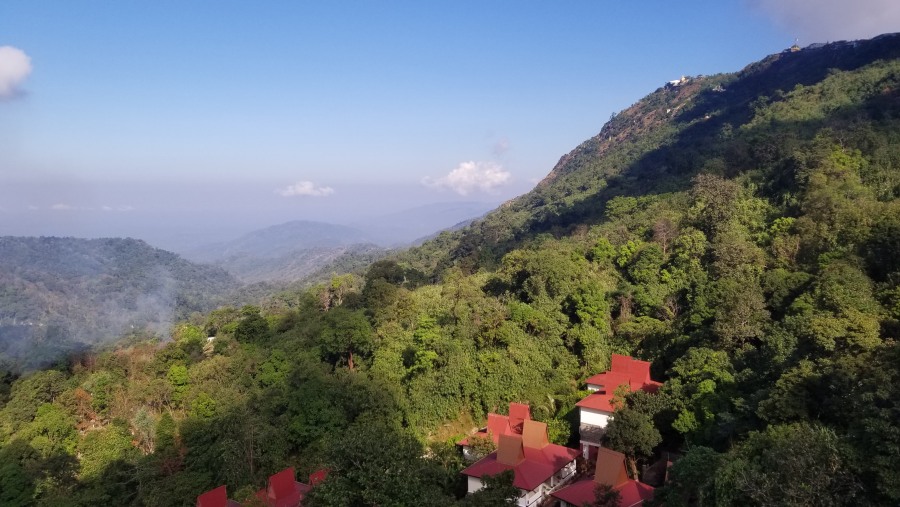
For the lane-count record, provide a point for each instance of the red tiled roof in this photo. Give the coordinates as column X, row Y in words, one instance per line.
column 531, row 457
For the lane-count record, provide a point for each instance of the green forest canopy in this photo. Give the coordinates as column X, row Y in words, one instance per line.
column 739, row 231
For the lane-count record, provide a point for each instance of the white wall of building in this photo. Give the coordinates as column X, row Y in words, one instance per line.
column 474, row 484
column 595, row 417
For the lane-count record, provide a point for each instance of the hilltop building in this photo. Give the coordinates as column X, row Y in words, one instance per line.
column 597, row 408
column 610, row 471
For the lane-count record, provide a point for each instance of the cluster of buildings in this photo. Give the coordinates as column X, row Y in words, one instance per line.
column 544, row 471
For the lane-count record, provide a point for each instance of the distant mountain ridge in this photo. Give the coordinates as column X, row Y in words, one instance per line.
column 60, row 292
column 300, row 249
column 281, row 239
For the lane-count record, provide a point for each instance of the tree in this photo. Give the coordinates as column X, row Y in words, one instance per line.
column 498, row 490
column 347, row 335
column 632, row 433
column 374, row 463
column 713, row 198
column 793, row 465
column 691, row 480
column 701, row 386
column 481, row 446
column 252, row 327
column 605, row 496
column 99, row 449
column 16, row 483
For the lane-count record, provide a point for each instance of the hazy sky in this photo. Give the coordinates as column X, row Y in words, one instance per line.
column 164, row 117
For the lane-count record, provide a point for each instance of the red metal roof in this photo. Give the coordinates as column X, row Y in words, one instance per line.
column 624, row 371
column 503, row 425
column 213, row 498
column 283, row 490
column 518, row 414
column 631, row 493
column 531, row 458
column 598, row 401
column 610, row 470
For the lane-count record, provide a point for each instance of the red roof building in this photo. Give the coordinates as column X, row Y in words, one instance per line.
column 283, row 490
column 539, row 467
column 216, row 498
column 610, row 471
column 596, row 409
column 497, row 425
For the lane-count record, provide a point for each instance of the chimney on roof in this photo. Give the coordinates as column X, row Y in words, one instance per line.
column 509, row 451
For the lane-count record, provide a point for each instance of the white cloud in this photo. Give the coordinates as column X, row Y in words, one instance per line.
column 304, row 188
column 15, row 66
column 471, row 176
column 830, row 20
column 62, row 207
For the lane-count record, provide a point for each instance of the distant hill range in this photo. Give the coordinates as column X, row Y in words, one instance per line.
column 59, row 293
column 416, row 224
column 301, row 250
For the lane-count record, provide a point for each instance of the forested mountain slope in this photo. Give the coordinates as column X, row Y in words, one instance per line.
column 58, row 292
column 739, row 231
column 725, row 124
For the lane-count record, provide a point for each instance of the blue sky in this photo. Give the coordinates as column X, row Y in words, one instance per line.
column 188, row 114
